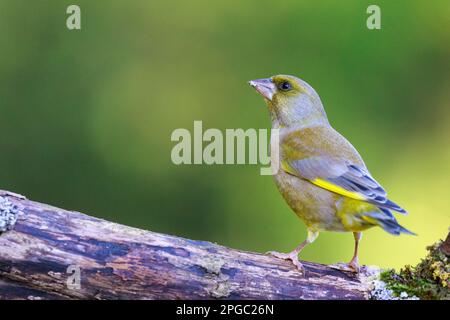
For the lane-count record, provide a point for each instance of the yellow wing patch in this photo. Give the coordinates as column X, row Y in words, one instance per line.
column 336, row 189
column 325, row 184
column 287, row 168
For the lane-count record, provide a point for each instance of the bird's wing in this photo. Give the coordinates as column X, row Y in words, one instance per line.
column 342, row 177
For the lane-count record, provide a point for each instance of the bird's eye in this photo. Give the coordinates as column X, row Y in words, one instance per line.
column 285, row 86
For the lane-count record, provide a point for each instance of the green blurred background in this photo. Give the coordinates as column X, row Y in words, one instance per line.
column 86, row 116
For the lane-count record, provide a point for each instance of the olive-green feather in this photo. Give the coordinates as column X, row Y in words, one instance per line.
column 322, row 177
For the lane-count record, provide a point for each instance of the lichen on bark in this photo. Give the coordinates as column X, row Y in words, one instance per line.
column 9, row 213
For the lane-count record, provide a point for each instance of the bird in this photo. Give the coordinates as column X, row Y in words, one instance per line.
column 321, row 176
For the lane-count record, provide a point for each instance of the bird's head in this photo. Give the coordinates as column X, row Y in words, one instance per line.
column 290, row 100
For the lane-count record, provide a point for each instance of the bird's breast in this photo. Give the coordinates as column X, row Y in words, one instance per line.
column 314, row 205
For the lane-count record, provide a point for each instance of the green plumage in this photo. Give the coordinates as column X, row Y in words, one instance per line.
column 322, row 176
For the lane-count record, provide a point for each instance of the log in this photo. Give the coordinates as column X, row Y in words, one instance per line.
column 52, row 253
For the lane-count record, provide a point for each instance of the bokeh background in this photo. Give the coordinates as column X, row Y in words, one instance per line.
column 86, row 116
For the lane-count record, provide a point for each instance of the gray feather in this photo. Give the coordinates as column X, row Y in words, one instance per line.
column 346, row 175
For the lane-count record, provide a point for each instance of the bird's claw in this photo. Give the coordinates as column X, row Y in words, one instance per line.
column 348, row 267
column 352, row 265
column 293, row 257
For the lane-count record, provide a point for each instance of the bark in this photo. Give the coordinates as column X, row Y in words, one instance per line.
column 40, row 257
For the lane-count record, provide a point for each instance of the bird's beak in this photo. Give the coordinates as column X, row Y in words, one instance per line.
column 265, row 87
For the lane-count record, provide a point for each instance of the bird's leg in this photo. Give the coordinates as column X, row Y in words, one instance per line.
column 293, row 255
column 354, row 263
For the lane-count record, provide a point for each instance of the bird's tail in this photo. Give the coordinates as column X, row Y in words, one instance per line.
column 386, row 220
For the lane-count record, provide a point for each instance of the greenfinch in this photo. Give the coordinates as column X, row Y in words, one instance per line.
column 322, row 177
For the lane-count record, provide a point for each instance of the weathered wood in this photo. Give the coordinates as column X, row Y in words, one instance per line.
column 445, row 246
column 120, row 262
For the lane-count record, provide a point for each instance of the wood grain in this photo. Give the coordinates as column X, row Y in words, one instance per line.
column 120, row 262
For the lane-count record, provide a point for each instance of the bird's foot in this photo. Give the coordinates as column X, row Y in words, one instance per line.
column 352, row 266
column 291, row 256
column 4, row 193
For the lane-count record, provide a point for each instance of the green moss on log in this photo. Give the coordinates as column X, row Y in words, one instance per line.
column 430, row 279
